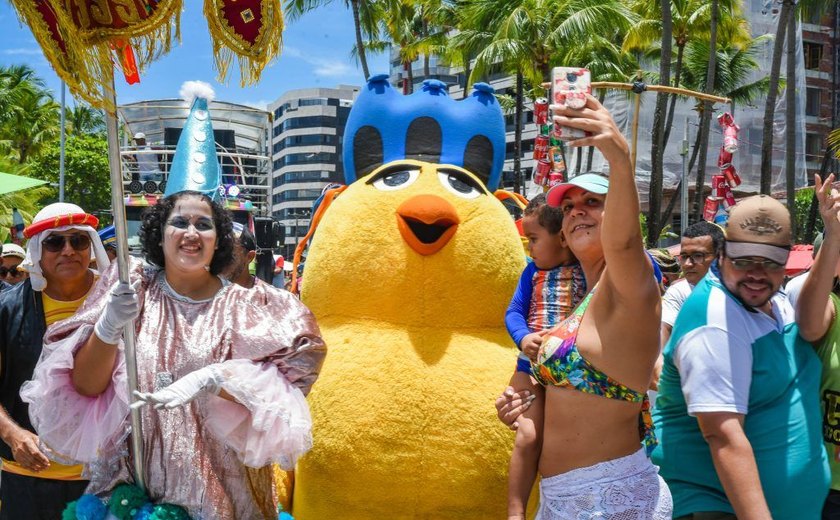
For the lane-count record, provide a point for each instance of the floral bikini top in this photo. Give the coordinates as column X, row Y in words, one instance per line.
column 559, row 363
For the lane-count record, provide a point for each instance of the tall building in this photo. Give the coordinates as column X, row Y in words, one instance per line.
column 821, row 54
column 306, row 150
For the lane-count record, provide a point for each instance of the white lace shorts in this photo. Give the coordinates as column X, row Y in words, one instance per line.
column 628, row 488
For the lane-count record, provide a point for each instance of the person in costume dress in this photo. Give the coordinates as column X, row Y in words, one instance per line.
column 226, row 368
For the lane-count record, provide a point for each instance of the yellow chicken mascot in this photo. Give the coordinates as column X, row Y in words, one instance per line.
column 409, row 274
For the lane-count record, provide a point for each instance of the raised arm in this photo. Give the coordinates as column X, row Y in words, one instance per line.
column 815, row 311
column 629, row 269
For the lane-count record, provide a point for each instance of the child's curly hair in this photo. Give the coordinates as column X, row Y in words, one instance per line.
column 155, row 218
column 548, row 217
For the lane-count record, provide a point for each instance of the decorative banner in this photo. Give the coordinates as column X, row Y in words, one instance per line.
column 79, row 37
column 249, row 29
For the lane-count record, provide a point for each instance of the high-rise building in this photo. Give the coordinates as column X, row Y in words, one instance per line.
column 306, row 149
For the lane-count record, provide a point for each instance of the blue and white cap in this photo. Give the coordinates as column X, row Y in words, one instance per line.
column 195, row 165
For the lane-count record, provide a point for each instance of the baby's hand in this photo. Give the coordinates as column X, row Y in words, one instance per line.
column 530, row 345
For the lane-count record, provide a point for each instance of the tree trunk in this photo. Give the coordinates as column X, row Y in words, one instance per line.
column 408, row 88
column 790, row 122
column 467, row 72
column 707, row 114
column 659, row 116
column 517, row 132
column 360, row 44
column 673, row 105
column 770, row 105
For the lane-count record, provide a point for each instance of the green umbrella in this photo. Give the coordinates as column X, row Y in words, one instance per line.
column 10, row 183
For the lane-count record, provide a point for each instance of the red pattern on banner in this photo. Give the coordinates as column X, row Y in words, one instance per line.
column 235, row 13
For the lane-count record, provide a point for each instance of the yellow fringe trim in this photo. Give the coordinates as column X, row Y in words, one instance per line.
column 227, row 44
column 88, row 64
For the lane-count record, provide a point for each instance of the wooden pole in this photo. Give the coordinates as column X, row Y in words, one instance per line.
column 118, row 206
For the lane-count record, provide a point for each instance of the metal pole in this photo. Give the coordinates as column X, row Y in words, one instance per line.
column 684, row 182
column 635, row 130
column 123, row 264
column 63, row 139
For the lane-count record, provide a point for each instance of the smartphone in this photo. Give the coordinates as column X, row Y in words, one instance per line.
column 569, row 86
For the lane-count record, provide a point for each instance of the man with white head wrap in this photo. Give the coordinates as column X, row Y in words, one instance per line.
column 62, row 238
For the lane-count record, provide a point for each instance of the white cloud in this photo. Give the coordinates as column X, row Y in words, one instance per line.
column 23, row 51
column 324, row 67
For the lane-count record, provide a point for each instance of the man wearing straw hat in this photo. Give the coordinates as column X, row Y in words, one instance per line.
column 62, row 239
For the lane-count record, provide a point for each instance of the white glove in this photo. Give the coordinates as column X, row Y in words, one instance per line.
column 120, row 309
column 184, row 390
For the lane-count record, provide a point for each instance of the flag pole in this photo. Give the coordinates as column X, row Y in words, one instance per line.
column 118, row 207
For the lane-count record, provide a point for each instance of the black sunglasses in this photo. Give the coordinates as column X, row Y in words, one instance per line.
column 55, row 243
column 11, row 271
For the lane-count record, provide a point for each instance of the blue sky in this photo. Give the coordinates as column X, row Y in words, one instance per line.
column 316, row 53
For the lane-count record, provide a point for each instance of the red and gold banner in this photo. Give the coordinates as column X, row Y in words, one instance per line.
column 251, row 30
column 82, row 38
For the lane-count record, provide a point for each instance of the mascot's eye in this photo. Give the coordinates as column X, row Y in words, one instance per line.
column 459, row 184
column 396, row 180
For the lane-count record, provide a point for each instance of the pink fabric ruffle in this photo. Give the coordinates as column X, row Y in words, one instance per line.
column 270, row 423
column 76, row 428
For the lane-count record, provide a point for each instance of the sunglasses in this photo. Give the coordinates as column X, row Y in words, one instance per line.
column 696, row 258
column 55, row 243
column 744, row 264
column 200, row 224
column 10, row 271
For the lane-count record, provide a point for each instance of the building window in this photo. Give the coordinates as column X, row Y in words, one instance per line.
column 812, row 101
column 311, row 102
column 813, row 55
column 306, row 122
column 813, row 147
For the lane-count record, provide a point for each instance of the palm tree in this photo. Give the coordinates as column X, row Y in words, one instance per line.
column 734, row 64
column 365, row 20
column 528, row 36
column 399, row 21
column 30, row 124
column 706, row 118
column 84, row 119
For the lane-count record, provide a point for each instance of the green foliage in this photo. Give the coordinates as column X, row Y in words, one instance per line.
column 87, row 178
column 801, row 209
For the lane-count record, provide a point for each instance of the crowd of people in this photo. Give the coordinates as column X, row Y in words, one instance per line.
column 715, row 400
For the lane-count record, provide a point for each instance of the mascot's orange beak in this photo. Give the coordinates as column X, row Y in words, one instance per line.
column 427, row 223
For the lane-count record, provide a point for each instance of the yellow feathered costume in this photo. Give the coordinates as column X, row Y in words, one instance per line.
column 409, row 275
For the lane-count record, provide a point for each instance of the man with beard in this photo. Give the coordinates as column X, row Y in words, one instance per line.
column 245, row 250
column 738, row 415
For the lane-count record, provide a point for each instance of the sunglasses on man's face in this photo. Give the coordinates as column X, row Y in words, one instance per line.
column 10, row 271
column 747, row 264
column 55, row 243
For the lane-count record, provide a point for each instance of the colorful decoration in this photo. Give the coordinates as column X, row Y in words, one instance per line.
column 127, row 502
column 195, row 165
column 78, row 37
column 716, row 207
column 549, row 150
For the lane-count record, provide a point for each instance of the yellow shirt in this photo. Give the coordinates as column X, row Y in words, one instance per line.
column 54, row 310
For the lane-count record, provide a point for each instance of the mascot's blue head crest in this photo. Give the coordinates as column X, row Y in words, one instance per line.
column 385, row 126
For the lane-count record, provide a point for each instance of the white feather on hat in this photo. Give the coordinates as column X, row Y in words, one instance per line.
column 191, row 90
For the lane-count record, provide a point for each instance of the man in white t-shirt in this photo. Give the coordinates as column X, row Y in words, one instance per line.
column 700, row 244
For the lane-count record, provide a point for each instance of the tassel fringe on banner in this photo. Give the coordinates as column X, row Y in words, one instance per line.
column 250, row 30
column 83, row 50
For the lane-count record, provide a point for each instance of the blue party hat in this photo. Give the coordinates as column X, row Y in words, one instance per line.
column 428, row 125
column 195, row 165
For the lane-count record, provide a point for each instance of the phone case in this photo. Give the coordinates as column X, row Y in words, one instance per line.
column 569, row 86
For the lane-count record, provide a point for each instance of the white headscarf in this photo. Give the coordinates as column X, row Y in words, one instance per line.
column 32, row 262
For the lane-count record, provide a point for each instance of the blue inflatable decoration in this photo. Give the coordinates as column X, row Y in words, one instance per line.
column 429, row 126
